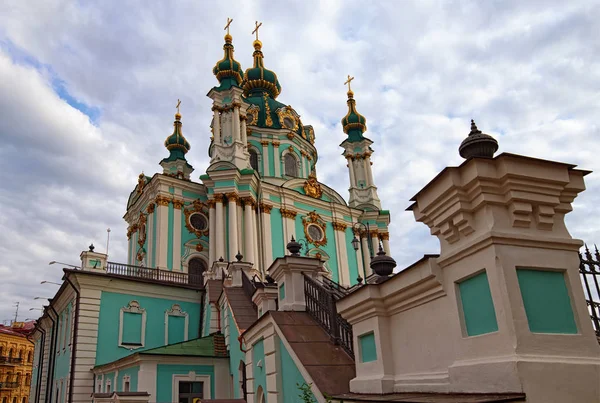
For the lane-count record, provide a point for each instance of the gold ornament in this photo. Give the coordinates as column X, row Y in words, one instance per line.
column 312, row 187
column 265, row 208
column 339, row 226
column 141, row 225
column 268, row 120
column 150, row 208
column 199, row 207
column 162, row 200
column 177, row 204
column 314, row 219
column 286, row 213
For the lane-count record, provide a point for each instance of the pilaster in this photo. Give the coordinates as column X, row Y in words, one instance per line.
column 232, row 199
column 219, row 234
column 162, row 208
column 177, row 206
column 265, row 210
column 276, row 159
column 342, row 253
column 211, row 232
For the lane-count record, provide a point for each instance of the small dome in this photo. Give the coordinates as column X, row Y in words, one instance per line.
column 354, row 123
column 258, row 78
column 228, row 70
column 478, row 144
column 176, row 143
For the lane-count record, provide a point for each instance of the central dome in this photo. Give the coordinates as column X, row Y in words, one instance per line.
column 258, row 79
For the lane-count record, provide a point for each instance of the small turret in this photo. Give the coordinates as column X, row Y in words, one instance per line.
column 228, row 70
column 175, row 164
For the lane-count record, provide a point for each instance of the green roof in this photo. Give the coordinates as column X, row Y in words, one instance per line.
column 228, row 70
column 202, row 347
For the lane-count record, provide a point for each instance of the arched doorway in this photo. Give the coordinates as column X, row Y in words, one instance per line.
column 242, row 378
column 196, row 267
column 260, row 395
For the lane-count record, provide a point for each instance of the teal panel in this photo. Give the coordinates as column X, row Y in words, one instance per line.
column 132, row 328
column 477, row 305
column 547, row 302
column 274, row 198
column 170, row 239
column 352, row 261
column 271, row 160
column 236, row 356
column 108, row 323
column 207, row 317
column 164, row 379
column 308, row 207
column 171, row 190
column 278, row 244
column 111, row 376
column 176, row 329
column 282, row 291
column 154, row 240
column 368, row 349
column 226, row 99
column 330, row 248
column 347, row 218
column 186, row 235
column 290, row 376
column 224, row 184
column 63, row 356
column 132, row 372
column 191, row 195
column 260, row 376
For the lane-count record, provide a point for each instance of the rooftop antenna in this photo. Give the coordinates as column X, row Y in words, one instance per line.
column 107, row 239
column 17, row 311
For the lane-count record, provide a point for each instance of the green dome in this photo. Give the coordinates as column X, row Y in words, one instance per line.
column 228, row 70
column 258, row 79
column 354, row 123
column 177, row 145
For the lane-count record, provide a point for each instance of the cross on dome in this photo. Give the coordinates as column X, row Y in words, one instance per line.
column 258, row 25
column 348, row 82
column 229, row 21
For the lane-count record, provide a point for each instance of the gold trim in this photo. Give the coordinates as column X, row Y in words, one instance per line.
column 287, row 213
column 339, row 226
column 384, row 236
column 312, row 187
column 265, row 208
column 253, row 110
column 141, row 226
column 163, row 200
column 196, row 207
column 268, row 119
column 233, row 197
column 150, row 208
column 287, row 112
column 291, row 135
column 315, row 219
column 218, row 197
column 177, row 204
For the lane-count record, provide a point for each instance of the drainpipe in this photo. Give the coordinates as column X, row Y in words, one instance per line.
column 40, row 362
column 51, row 355
column 74, row 343
column 241, row 340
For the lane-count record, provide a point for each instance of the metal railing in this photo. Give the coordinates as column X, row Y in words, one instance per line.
column 248, row 285
column 336, row 289
column 589, row 270
column 320, row 305
column 163, row 276
column 11, row 360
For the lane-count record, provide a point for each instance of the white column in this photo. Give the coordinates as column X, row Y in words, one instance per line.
column 162, row 231
column 248, row 231
column 270, row 343
column 366, row 253
column 289, row 225
column 177, row 205
column 244, row 132
column 369, row 170
column 352, row 175
column 276, row 158
column 265, row 158
column 219, row 228
column 385, row 239
column 255, row 236
column 240, row 234
column 266, row 235
column 149, row 237
column 212, row 233
column 339, row 230
column 236, row 124
column 217, row 126
column 233, row 225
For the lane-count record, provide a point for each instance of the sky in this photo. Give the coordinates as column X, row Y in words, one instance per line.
column 88, row 92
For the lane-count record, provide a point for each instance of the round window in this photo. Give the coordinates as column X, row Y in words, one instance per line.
column 315, row 232
column 250, row 118
column 289, row 123
column 198, row 221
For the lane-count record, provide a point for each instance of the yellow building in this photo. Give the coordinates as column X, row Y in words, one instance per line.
column 16, row 360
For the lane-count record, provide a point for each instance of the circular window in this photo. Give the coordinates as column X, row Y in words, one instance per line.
column 315, row 232
column 250, row 118
column 289, row 123
column 198, row 221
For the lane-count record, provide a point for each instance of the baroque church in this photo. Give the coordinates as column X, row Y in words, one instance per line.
column 254, row 282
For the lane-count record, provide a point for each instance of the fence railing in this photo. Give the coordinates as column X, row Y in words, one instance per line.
column 320, row 305
column 336, row 289
column 589, row 270
column 164, row 276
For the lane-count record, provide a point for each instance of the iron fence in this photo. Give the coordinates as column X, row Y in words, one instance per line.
column 589, row 270
column 163, row 276
column 320, row 305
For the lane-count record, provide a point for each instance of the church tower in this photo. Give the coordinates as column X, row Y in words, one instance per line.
column 357, row 150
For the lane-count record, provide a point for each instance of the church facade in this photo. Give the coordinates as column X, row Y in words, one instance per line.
column 257, row 282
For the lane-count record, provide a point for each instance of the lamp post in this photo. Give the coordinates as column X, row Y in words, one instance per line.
column 49, row 282
column 64, row 264
column 356, row 243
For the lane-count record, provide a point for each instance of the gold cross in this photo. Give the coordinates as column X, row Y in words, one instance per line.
column 348, row 82
column 229, row 21
column 177, row 106
column 256, row 29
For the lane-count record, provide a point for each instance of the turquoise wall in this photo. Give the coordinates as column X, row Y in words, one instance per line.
column 235, row 355
column 108, row 324
column 290, row 376
column 477, row 305
column 164, row 379
column 154, row 240
column 133, row 378
column 278, row 244
column 352, row 262
column 176, row 329
column 259, row 374
column 170, row 239
column 63, row 356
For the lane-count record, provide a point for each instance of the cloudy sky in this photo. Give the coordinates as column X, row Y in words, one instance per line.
column 88, row 89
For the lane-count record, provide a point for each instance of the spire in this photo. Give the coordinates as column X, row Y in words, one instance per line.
column 228, row 70
column 477, row 144
column 176, row 143
column 354, row 123
column 258, row 79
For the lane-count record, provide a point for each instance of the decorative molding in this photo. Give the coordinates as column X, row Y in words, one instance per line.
column 338, row 226
column 248, row 200
column 314, row 219
column 177, row 204
column 265, row 208
column 233, row 196
column 287, row 213
column 253, row 112
column 163, row 200
column 312, row 187
column 287, row 112
column 210, row 203
column 135, row 308
column 142, row 181
column 218, row 197
column 177, row 312
column 384, row 236
column 265, row 143
column 291, row 135
column 150, row 208
column 196, row 207
column 276, row 143
column 268, row 119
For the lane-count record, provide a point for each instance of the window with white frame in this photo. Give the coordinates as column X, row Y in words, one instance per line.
column 188, row 386
column 107, row 387
column 132, row 326
column 176, row 325
column 126, row 383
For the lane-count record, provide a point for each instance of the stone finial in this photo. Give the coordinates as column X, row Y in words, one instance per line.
column 239, row 256
column 382, row 265
column 478, row 144
column 92, row 247
column 294, row 247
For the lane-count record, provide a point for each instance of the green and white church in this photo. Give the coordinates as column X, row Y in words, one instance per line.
column 254, row 282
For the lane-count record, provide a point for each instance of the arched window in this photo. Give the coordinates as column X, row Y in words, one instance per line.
column 242, row 379
column 27, row 379
column 196, row 268
column 260, row 395
column 29, row 356
column 291, row 166
column 24, row 400
column 254, row 160
column 10, row 353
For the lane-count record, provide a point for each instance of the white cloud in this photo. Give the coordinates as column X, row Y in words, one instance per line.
column 525, row 71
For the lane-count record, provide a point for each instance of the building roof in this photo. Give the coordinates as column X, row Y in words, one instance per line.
column 432, row 397
column 209, row 346
column 242, row 308
column 330, row 367
column 22, row 329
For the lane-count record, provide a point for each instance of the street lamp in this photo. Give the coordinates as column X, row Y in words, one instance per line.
column 49, row 282
column 41, row 298
column 36, row 309
column 356, row 243
column 64, row 264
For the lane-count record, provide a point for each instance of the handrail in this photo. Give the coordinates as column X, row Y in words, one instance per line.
column 165, row 276
column 248, row 285
column 589, row 270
